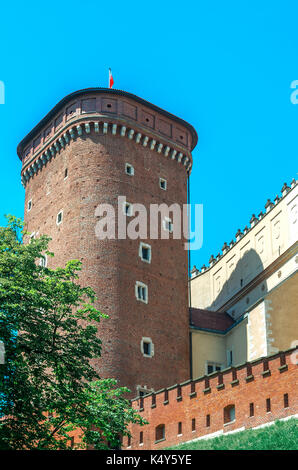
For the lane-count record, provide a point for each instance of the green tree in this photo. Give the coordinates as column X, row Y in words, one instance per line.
column 49, row 327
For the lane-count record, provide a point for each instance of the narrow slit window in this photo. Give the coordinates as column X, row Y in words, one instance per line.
column 286, row 400
column 268, row 405
column 179, row 428
column 193, row 424
column 29, row 205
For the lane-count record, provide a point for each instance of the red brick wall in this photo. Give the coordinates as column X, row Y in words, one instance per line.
column 96, row 174
column 279, row 380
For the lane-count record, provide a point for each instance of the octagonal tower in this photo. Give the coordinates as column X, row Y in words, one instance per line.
column 93, row 146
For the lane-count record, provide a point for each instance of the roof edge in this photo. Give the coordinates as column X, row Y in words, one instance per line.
column 86, row 91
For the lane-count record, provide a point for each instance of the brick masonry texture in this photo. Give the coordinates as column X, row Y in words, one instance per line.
column 96, row 174
column 249, row 383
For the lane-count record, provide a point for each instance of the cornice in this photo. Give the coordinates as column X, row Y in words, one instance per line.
column 103, row 125
column 104, row 91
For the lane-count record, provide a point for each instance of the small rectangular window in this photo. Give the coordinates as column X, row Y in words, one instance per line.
column 212, row 367
column 208, row 421
column 147, row 348
column 142, row 292
column 59, row 217
column 268, row 405
column 141, row 437
column 129, row 169
column 251, row 409
column 65, row 173
column 163, row 184
column 286, row 400
column 145, row 252
column 29, row 205
column 128, row 441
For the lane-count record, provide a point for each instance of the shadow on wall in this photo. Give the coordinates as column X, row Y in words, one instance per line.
column 239, row 275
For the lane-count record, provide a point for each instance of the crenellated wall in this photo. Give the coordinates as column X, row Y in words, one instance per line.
column 265, row 389
column 260, row 258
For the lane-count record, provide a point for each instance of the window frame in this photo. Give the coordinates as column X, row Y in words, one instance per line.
column 214, row 365
column 144, row 286
column 163, row 180
column 57, row 222
column 148, row 247
column 129, row 165
column 146, row 340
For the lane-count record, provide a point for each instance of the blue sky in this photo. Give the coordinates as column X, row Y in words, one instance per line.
column 226, row 67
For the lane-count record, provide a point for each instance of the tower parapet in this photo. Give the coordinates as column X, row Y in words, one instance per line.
column 106, row 111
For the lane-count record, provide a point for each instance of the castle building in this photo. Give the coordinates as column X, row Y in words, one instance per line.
column 244, row 305
column 95, row 145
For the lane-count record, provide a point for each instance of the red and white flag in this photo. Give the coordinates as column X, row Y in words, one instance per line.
column 111, row 80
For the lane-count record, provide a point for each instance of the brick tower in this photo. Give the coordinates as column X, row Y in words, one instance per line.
column 93, row 146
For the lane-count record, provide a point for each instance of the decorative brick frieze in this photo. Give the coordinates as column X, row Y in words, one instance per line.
column 108, row 111
column 63, row 138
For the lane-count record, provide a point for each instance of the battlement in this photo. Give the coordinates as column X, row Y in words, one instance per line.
column 240, row 397
column 249, row 264
column 240, row 235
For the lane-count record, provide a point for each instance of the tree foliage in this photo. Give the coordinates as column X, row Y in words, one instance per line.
column 49, row 327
